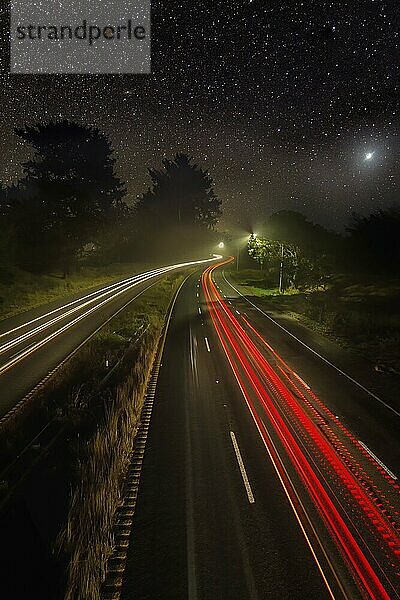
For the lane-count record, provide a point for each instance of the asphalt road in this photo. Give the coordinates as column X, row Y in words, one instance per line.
column 34, row 343
column 196, row 535
column 373, row 413
column 226, row 506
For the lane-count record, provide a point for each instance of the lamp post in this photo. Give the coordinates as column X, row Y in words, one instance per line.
column 281, row 269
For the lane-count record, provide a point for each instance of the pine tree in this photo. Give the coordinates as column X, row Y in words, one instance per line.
column 181, row 194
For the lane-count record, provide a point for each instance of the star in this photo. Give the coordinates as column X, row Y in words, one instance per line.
column 271, row 98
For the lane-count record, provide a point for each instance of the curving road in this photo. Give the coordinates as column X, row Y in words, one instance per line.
column 32, row 345
column 253, row 484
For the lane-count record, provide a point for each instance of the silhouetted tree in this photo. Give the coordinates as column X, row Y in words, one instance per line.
column 181, row 194
column 70, row 195
column 294, row 227
column 5, row 226
column 375, row 241
column 180, row 207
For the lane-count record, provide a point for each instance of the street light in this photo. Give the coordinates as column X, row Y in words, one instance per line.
column 221, row 245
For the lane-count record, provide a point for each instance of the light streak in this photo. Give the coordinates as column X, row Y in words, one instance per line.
column 240, row 349
column 88, row 303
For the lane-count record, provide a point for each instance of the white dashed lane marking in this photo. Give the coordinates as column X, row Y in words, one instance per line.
column 245, row 478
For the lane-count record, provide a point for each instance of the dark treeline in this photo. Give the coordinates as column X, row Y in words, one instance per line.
column 70, row 204
column 310, row 253
column 374, row 242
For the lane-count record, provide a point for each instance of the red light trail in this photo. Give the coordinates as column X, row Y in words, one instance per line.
column 300, row 420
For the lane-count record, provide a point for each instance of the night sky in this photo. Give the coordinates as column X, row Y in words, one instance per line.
column 281, row 101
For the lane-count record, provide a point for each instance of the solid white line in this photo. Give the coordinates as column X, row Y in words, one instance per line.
column 207, row 344
column 384, row 467
column 328, row 362
column 242, row 469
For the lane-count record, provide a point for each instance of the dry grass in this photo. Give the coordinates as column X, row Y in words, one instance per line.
column 99, row 423
column 88, row 536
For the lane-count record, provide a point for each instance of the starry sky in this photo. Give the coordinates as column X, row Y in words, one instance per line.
column 289, row 105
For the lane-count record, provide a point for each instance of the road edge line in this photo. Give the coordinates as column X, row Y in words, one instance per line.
column 112, row 586
column 328, row 362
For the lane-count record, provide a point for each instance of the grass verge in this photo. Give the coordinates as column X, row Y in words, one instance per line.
column 88, row 535
column 360, row 314
column 21, row 291
column 107, row 440
column 96, row 410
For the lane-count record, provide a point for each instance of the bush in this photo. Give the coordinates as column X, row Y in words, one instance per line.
column 7, row 275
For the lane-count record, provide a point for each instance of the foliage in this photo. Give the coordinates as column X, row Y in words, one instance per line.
column 179, row 210
column 265, row 251
column 293, row 227
column 375, row 241
column 181, row 194
column 303, row 248
column 88, row 535
column 22, row 291
column 70, row 206
column 69, row 195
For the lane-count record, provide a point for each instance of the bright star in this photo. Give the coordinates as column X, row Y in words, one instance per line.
column 369, row 155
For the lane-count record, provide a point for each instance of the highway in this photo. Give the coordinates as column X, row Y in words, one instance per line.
column 254, row 485
column 33, row 344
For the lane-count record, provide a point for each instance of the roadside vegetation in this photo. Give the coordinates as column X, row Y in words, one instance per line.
column 98, row 396
column 103, row 459
column 70, row 205
column 361, row 315
column 69, row 224
column 21, row 291
column 345, row 287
